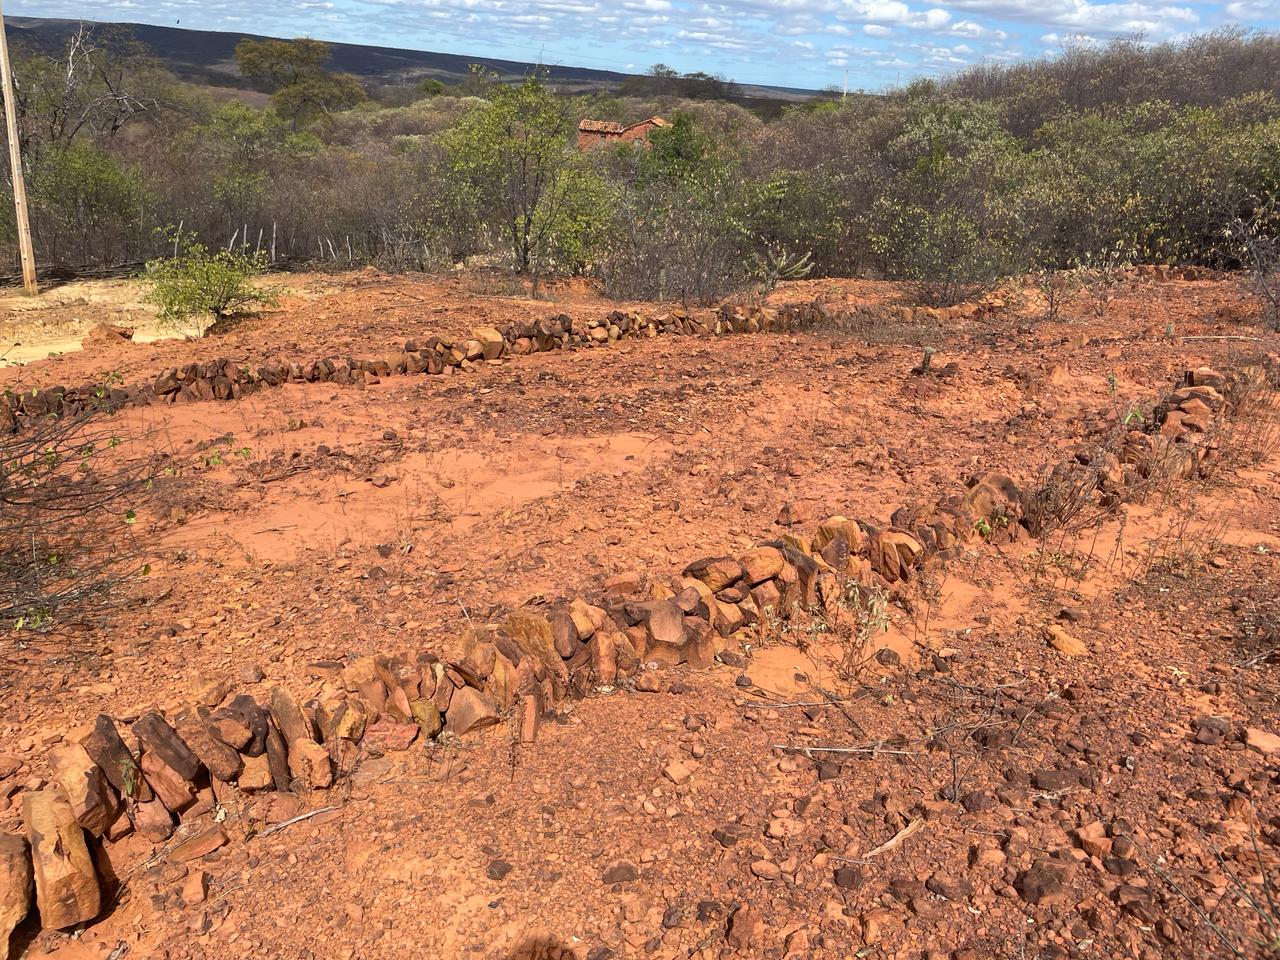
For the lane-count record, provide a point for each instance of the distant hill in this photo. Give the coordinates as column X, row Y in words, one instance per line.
column 208, row 56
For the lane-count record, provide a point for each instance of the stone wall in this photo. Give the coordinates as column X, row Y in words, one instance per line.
column 225, row 379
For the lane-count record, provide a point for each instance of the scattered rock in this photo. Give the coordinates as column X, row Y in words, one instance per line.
column 746, row 929
column 1064, row 642
column 678, row 771
column 1262, row 741
column 1046, row 882
column 200, row 845
column 648, row 682
column 948, row 887
column 1093, row 839
column 1212, row 730
column 793, row 513
column 623, row 584
column 766, row 869
column 498, row 869
column 624, row 871
column 849, row 878
column 195, row 888
column 1056, row 781
column 730, row 833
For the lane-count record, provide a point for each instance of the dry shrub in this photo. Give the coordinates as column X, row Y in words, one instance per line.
column 1245, row 922
column 68, row 507
column 1261, row 256
column 1189, row 539
column 668, row 245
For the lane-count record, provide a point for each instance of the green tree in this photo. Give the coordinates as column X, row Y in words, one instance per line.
column 948, row 221
column 582, row 221
column 282, row 63
column 511, row 154
column 676, row 152
column 295, row 71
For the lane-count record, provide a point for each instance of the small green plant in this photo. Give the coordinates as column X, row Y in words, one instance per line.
column 870, row 608
column 129, row 778
column 1135, row 415
column 982, row 527
column 195, row 288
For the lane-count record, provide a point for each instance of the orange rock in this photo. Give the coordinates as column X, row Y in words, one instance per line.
column 15, row 887
column 469, row 710
column 93, row 801
column 1064, row 642
column 200, row 845
column 716, row 572
column 761, row 564
column 174, row 792
column 290, row 717
column 256, row 774
column 309, row 762
column 531, row 632
column 604, row 661
column 893, row 553
column 66, row 882
column 153, row 820
column 839, row 526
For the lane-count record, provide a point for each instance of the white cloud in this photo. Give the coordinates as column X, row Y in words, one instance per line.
column 1153, row 19
column 1247, row 10
column 876, row 30
column 976, row 31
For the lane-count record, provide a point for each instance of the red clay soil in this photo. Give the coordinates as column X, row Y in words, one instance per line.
column 1119, row 803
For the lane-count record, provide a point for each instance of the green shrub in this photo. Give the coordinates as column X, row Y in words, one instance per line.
column 195, row 288
column 85, row 203
column 944, row 256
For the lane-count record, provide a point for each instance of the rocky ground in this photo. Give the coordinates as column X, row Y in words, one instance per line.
column 976, row 792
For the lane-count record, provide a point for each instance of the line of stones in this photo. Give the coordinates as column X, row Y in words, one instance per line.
column 225, row 379
column 216, row 749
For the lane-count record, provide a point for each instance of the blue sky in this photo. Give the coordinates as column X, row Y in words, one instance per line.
column 803, row 43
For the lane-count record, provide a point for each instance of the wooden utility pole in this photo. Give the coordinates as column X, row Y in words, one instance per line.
column 15, row 166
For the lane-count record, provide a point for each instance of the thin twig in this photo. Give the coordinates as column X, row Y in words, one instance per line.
column 1226, row 337
column 897, row 839
column 795, row 748
column 804, row 703
column 292, row 820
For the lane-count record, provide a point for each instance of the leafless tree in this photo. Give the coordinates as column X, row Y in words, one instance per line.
column 1260, row 251
column 93, row 87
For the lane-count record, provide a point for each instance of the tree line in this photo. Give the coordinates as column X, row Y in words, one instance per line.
column 1125, row 153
